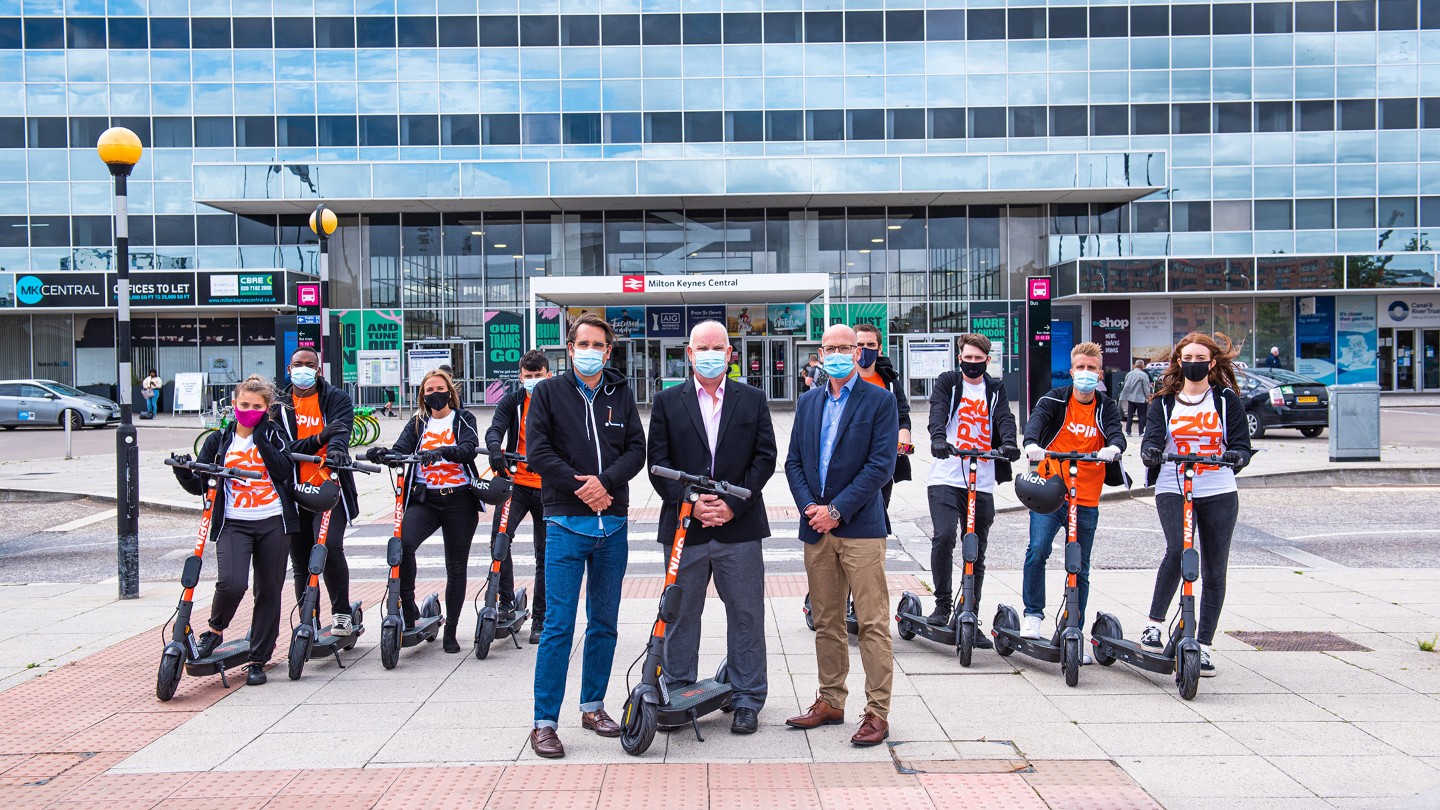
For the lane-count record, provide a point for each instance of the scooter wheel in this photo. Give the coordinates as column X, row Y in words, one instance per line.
column 299, row 654
column 1005, row 619
column 484, row 637
column 1105, row 626
column 1070, row 660
column 1187, row 672
column 639, row 721
column 905, row 630
column 965, row 643
column 390, row 645
column 168, row 679
column 809, row 617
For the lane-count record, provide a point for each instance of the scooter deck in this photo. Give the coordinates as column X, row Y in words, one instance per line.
column 327, row 643
column 944, row 634
column 512, row 627
column 426, row 629
column 228, row 655
column 1035, row 648
column 1134, row 654
column 699, row 698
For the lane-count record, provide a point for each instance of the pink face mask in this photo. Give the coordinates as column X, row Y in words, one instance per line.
column 249, row 418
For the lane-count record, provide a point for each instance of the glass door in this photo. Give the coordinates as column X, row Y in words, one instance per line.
column 1406, row 377
column 1430, row 359
column 782, row 378
column 1387, row 359
column 675, row 366
column 752, row 368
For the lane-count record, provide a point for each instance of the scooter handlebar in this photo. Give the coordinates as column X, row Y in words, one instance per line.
column 308, row 459
column 1195, row 458
column 701, row 482
column 212, row 470
column 1073, row 456
column 392, row 459
column 518, row 458
column 355, row 466
column 993, row 455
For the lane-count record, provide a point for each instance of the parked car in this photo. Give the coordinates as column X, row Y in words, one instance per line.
column 49, row 403
column 1274, row 398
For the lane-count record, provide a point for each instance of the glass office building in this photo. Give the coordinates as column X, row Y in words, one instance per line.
column 1269, row 169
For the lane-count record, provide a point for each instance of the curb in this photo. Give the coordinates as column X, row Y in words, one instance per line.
column 37, row 496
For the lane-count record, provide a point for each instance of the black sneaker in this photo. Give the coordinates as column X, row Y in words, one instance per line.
column 744, row 721
column 1150, row 637
column 982, row 639
column 940, row 616
column 536, row 630
column 255, row 673
column 208, row 641
column 506, row 608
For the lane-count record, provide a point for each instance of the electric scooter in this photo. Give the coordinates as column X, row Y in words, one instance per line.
column 1064, row 647
column 650, row 703
column 393, row 634
column 1181, row 655
column 182, row 651
column 308, row 640
column 960, row 632
column 852, row 624
column 490, row 624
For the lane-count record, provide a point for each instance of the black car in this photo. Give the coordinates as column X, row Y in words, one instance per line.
column 1276, row 398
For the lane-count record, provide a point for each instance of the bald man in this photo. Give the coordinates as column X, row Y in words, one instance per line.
column 687, row 425
column 842, row 453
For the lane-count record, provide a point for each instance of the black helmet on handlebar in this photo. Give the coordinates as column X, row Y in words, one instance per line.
column 317, row 498
column 1040, row 495
column 494, row 491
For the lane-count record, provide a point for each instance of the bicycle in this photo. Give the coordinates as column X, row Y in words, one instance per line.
column 367, row 428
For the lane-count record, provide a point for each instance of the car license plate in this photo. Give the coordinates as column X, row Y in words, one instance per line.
column 1307, row 400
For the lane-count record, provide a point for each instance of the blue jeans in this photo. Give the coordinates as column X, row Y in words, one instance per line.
column 1043, row 529
column 152, row 403
column 567, row 556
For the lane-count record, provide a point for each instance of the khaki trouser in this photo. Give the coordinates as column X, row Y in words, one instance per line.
column 836, row 566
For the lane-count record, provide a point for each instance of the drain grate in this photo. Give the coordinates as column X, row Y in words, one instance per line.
column 1274, row 641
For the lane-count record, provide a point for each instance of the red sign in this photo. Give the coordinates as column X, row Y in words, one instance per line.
column 307, row 295
column 632, row 284
column 1039, row 289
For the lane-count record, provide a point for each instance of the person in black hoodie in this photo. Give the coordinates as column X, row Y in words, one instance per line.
column 969, row 411
column 507, row 434
column 585, row 440
column 253, row 520
column 318, row 418
column 876, row 369
column 440, row 496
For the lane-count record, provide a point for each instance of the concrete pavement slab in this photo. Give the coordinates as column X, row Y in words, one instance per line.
column 1307, row 739
column 1214, row 777
column 1359, row 776
column 1125, row 738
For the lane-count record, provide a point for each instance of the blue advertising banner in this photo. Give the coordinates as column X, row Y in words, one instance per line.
column 665, row 322
column 1357, row 341
column 707, row 312
column 1062, row 340
column 628, row 322
column 1315, row 339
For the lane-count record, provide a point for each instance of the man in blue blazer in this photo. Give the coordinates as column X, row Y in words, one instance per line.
column 842, row 453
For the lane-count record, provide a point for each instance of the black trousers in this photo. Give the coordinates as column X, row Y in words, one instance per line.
column 1136, row 411
column 1215, row 518
column 948, row 507
column 456, row 516
column 524, row 501
column 337, row 570
column 265, row 541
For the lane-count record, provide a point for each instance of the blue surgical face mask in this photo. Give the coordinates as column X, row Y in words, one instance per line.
column 868, row 357
column 588, row 362
column 530, row 383
column 1085, row 381
column 839, row 365
column 710, row 363
column 303, row 376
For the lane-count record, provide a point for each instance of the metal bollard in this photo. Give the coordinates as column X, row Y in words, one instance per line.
column 68, row 454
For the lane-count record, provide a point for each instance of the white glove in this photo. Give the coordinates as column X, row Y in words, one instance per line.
column 1035, row 453
column 1108, row 453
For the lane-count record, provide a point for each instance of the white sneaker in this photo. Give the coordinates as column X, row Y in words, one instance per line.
column 1030, row 627
column 340, row 625
column 1086, row 659
column 1207, row 669
column 1151, row 636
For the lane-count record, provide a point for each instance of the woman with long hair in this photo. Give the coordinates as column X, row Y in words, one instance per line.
column 440, row 496
column 1196, row 409
column 252, row 521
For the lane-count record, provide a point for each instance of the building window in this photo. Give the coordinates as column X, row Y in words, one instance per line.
column 664, row 127
column 458, row 32
column 660, row 29
column 743, row 28
column 985, row 23
column 539, row 30
column 701, row 29
column 499, row 32
column 580, row 29
column 1273, row 215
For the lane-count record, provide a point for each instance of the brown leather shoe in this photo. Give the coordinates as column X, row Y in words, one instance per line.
column 873, row 731
column 546, row 743
column 600, row 723
column 819, row 714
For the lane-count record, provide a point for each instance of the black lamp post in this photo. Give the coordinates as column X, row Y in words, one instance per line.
column 323, row 222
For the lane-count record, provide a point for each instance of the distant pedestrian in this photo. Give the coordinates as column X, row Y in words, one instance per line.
column 814, row 373
column 150, row 390
column 1135, row 395
column 1272, row 360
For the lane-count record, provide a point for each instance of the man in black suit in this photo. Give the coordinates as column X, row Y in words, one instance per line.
column 687, row 424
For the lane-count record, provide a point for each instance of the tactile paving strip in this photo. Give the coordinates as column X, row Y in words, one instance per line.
column 760, row 776
column 783, row 799
column 1297, row 641
column 989, row 790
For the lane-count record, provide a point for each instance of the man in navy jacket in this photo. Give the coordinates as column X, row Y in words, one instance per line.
column 842, row 453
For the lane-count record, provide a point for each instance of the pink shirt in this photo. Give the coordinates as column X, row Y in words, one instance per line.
column 710, row 414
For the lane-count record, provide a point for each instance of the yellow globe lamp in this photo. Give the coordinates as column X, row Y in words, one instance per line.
column 120, row 149
column 323, row 221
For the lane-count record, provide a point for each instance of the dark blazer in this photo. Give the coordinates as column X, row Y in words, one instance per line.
column 862, row 462
column 746, row 456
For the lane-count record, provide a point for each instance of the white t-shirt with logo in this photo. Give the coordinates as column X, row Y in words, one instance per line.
column 440, row 432
column 968, row 429
column 245, row 498
column 1196, row 429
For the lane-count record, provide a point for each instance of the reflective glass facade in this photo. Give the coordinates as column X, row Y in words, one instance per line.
column 927, row 155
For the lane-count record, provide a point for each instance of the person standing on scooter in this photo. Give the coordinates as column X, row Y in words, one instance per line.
column 318, row 418
column 1071, row 419
column 507, row 434
column 1196, row 411
column 252, row 522
column 968, row 411
column 445, row 437
column 584, row 439
column 687, row 425
column 876, row 369
column 842, row 453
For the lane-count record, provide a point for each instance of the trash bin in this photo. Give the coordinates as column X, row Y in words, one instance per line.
column 1355, row 422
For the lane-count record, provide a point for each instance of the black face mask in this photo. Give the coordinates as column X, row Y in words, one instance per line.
column 973, row 369
column 1196, row 370
column 437, row 400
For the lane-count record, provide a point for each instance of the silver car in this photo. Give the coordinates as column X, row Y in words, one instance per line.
column 49, row 403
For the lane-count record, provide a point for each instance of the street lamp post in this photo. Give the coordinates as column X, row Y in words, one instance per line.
column 323, row 222
column 120, row 149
